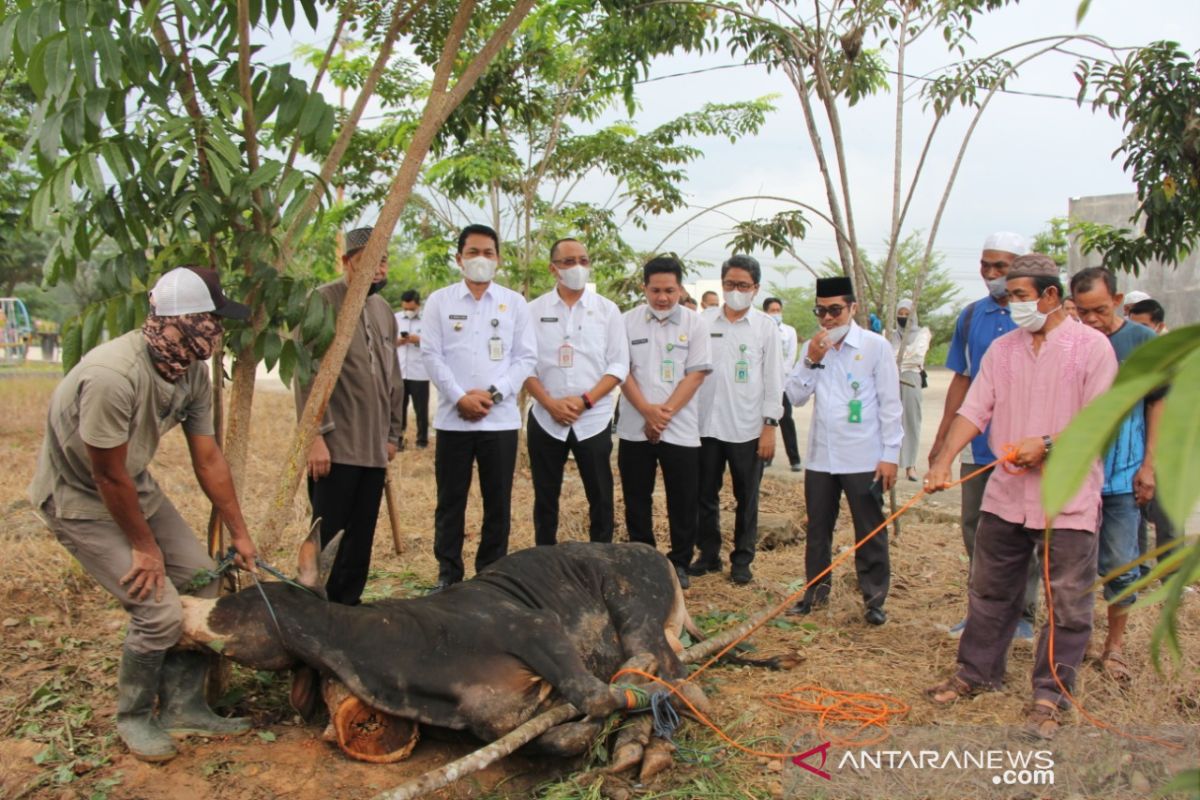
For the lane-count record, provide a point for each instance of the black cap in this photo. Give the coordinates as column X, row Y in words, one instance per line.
column 834, row 287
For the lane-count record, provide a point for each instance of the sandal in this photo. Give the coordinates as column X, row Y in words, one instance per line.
column 950, row 691
column 1042, row 721
column 1115, row 667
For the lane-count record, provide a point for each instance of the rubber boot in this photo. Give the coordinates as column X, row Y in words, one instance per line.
column 183, row 710
column 137, row 686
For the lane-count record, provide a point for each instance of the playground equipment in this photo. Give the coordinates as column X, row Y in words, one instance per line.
column 16, row 330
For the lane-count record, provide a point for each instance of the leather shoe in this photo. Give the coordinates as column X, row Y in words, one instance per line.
column 797, row 468
column 682, row 573
column 699, row 568
column 803, row 608
column 740, row 574
column 875, row 616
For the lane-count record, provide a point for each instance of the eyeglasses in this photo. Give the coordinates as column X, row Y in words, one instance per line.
column 730, row 286
column 572, row 262
column 829, row 311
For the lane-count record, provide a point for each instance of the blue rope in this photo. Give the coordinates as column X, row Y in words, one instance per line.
column 666, row 718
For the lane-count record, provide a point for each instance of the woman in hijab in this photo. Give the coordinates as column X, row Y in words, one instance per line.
column 912, row 367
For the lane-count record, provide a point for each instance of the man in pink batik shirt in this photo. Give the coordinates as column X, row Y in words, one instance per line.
column 1031, row 383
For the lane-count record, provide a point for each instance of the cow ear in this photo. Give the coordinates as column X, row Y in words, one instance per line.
column 327, row 557
column 308, row 569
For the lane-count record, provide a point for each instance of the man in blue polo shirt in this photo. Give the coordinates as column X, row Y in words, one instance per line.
column 980, row 324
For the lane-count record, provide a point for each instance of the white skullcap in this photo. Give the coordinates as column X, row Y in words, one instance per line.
column 1136, row 296
column 1007, row 242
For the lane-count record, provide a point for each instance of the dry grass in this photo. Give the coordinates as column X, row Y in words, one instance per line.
column 60, row 639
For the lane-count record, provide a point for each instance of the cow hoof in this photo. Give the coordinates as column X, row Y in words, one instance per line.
column 368, row 734
column 659, row 756
column 628, row 754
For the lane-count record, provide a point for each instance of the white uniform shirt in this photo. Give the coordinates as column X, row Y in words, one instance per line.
column 835, row 444
column 593, row 333
column 673, row 348
column 456, row 348
column 412, row 366
column 746, row 383
column 787, row 337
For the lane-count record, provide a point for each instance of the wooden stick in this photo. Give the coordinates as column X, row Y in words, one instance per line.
column 444, row 776
column 393, row 507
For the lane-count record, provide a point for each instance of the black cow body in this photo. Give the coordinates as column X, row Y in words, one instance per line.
column 484, row 655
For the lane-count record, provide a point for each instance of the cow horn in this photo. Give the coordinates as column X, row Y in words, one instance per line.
column 328, row 556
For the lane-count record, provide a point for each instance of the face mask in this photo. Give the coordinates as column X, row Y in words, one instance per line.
column 777, row 317
column 376, row 287
column 739, row 301
column 574, row 278
column 835, row 335
column 479, row 269
column 661, row 315
column 1025, row 313
column 410, row 314
column 902, row 321
column 998, row 288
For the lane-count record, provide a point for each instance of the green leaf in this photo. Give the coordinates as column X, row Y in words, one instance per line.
column 93, row 320
column 310, row 12
column 287, row 362
column 1177, row 458
column 1082, row 11
column 314, row 318
column 56, row 65
column 310, row 116
column 50, row 134
column 72, row 343
column 108, row 55
column 1078, row 447
column 264, row 174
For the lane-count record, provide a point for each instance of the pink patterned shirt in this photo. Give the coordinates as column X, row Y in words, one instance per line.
column 1023, row 394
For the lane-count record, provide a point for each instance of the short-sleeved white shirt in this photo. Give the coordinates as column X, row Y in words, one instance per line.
column 681, row 339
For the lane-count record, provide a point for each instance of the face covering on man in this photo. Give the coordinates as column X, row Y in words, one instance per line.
column 998, row 288
column 479, row 269
column 739, row 301
column 835, row 335
column 661, row 315
column 1025, row 313
column 776, row 317
column 377, row 287
column 410, row 313
column 575, row 278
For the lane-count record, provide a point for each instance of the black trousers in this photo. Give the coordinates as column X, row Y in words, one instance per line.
column 745, row 469
column 347, row 499
column 418, row 391
column 787, row 427
column 548, row 461
column 638, row 462
column 823, row 495
column 454, row 453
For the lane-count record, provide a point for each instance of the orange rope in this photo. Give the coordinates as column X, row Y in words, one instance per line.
column 1054, row 664
column 869, row 710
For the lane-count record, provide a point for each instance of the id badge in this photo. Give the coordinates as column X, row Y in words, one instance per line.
column 667, row 371
column 495, row 348
column 566, row 356
column 855, row 411
column 741, row 371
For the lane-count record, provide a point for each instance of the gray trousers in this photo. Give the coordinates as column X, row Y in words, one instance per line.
column 910, row 401
column 1005, row 549
column 972, row 500
column 102, row 549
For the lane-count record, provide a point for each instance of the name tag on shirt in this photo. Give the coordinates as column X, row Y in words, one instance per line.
column 667, row 371
column 716, row 335
column 458, row 316
column 549, row 319
column 566, row 356
column 495, row 348
column 639, row 341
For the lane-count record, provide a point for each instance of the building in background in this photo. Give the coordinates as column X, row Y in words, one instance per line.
column 1177, row 287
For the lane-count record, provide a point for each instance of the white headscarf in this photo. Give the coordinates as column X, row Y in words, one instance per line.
column 910, row 330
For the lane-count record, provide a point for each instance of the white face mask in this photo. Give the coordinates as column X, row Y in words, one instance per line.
column 998, row 288
column 479, row 269
column 574, row 278
column 835, row 335
column 777, row 317
column 410, row 314
column 1025, row 313
column 739, row 301
column 661, row 315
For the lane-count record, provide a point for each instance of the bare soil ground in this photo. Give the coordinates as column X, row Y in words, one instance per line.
column 60, row 640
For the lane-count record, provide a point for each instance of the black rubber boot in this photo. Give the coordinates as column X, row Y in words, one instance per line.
column 183, row 711
column 137, row 686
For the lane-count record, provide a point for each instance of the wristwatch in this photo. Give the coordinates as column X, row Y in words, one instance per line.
column 808, row 362
column 495, row 393
column 771, row 422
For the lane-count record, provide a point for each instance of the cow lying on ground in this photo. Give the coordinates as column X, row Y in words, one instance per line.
column 538, row 627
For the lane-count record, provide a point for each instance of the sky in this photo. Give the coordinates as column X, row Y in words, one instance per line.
column 1028, row 155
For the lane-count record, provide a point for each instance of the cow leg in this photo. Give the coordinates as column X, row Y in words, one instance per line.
column 549, row 653
column 568, row 739
column 634, row 735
